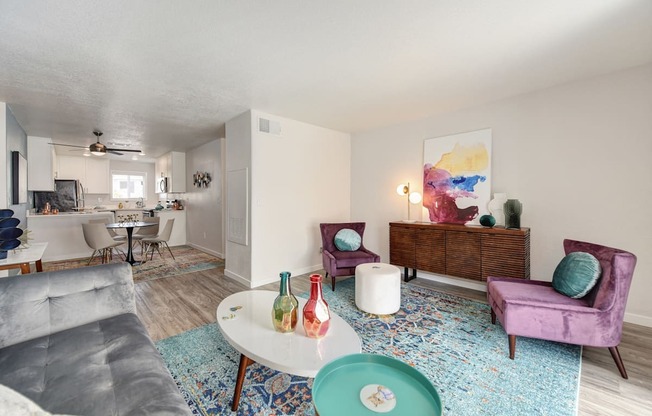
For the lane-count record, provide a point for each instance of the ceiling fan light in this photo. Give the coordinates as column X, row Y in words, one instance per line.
column 98, row 149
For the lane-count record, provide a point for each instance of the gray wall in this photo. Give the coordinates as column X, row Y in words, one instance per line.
column 204, row 218
column 16, row 141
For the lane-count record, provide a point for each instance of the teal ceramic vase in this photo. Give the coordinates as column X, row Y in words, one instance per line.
column 487, row 221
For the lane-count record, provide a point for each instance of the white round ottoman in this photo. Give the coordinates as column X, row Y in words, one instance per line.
column 378, row 288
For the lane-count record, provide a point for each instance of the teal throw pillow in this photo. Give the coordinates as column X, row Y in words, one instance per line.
column 576, row 274
column 347, row 239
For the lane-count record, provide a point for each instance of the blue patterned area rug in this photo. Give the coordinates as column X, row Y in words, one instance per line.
column 449, row 339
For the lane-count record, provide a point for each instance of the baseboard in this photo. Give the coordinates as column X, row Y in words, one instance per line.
column 237, row 278
column 266, row 281
column 73, row 256
column 305, row 270
column 206, row 250
column 643, row 320
column 294, row 273
column 482, row 287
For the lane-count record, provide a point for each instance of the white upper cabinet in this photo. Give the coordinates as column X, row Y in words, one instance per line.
column 173, row 166
column 93, row 173
column 41, row 164
column 71, row 167
column 97, row 176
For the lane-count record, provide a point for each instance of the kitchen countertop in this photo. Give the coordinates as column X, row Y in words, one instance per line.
column 68, row 214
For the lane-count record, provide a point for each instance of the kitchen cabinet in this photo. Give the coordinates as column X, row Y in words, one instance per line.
column 98, row 176
column 63, row 233
column 71, row 167
column 41, row 164
column 93, row 173
column 172, row 165
column 469, row 252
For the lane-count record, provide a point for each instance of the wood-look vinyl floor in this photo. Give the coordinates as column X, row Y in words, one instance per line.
column 176, row 304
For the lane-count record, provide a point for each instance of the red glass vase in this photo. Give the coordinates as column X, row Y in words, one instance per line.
column 316, row 316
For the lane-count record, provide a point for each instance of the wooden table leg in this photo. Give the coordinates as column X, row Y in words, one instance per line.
column 242, row 370
column 39, row 265
column 24, row 268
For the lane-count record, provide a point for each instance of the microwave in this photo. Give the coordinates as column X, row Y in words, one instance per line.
column 162, row 185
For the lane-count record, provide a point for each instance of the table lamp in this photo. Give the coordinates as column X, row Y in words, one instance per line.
column 412, row 198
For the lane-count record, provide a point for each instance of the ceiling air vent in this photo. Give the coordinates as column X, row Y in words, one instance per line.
column 269, row 126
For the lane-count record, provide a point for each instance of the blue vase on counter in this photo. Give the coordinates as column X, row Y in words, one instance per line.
column 9, row 232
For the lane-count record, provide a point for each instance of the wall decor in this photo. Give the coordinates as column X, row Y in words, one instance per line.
column 18, row 178
column 201, row 179
column 457, row 177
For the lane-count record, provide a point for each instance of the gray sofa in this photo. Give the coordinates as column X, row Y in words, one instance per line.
column 71, row 342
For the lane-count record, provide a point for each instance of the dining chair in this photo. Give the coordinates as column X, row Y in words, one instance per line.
column 153, row 243
column 98, row 238
column 146, row 232
column 116, row 237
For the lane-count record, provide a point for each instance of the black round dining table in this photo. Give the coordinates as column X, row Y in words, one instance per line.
column 129, row 226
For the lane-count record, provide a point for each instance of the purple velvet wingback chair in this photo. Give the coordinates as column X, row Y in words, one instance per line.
column 534, row 309
column 342, row 263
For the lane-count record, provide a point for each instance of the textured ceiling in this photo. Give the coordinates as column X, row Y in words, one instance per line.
column 166, row 75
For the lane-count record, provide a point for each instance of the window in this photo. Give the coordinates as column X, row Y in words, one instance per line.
column 127, row 186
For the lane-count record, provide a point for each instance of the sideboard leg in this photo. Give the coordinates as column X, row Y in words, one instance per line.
column 406, row 277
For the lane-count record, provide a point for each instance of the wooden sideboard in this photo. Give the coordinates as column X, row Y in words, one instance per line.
column 470, row 252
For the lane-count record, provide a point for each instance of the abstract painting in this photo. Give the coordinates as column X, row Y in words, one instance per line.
column 457, row 177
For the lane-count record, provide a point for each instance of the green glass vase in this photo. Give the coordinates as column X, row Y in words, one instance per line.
column 284, row 312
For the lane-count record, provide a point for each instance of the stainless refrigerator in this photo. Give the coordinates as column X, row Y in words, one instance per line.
column 68, row 195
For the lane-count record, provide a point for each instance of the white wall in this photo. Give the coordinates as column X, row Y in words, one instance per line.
column 578, row 156
column 297, row 180
column 204, row 205
column 238, row 156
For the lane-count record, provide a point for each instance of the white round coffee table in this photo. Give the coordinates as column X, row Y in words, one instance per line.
column 245, row 320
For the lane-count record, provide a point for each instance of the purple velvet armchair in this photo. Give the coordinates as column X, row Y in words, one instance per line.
column 343, row 263
column 534, row 309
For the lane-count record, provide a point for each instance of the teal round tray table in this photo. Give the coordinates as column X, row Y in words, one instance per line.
column 370, row 384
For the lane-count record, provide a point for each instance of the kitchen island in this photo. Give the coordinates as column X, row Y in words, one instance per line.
column 63, row 233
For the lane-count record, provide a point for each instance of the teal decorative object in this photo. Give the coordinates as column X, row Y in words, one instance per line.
column 347, row 239
column 576, row 274
column 487, row 221
column 360, row 382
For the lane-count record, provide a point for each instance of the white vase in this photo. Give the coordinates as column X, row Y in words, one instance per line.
column 497, row 208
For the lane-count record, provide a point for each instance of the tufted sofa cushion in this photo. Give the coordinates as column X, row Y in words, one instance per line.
column 71, row 342
column 106, row 367
column 43, row 303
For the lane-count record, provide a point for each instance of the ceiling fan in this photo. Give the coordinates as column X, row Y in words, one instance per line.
column 97, row 148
